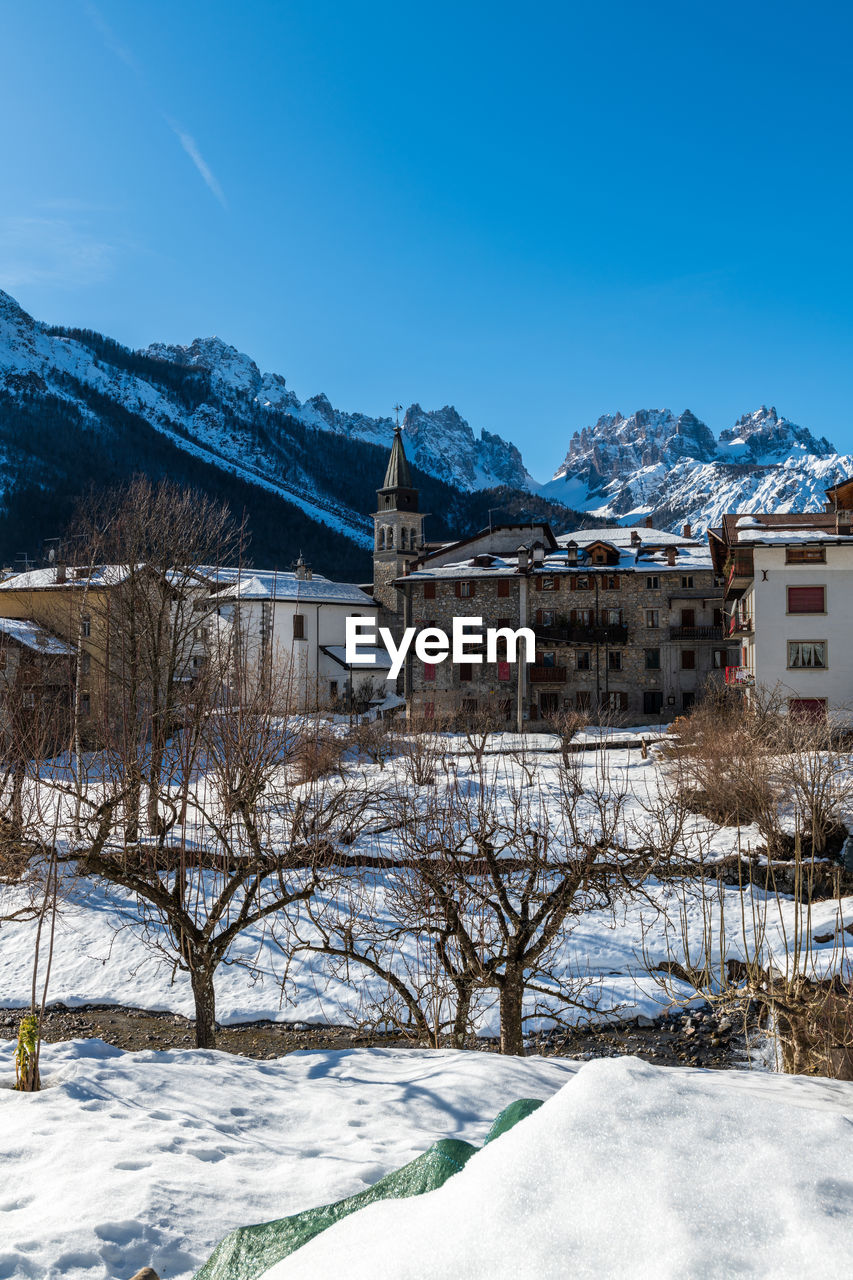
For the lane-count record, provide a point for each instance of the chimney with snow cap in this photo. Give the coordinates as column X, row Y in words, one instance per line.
column 671, row 553
column 523, row 558
column 687, row 532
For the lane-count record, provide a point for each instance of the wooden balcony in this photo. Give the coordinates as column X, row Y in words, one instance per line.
column 547, row 675
column 696, row 633
column 578, row 633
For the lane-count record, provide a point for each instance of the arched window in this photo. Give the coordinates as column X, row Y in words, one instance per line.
column 404, row 539
column 380, row 538
column 413, row 538
column 389, row 538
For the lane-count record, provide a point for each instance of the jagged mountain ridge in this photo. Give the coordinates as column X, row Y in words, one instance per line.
column 77, row 407
column 673, row 468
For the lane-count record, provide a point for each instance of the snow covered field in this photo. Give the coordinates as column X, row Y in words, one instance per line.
column 126, row 1160
column 100, row 955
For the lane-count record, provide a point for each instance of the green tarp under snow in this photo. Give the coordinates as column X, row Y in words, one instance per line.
column 248, row 1252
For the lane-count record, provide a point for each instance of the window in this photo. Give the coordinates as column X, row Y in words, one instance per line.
column 28, row 698
column 465, row 590
column 429, row 671
column 549, row 704
column 687, row 699
column 85, row 626
column 583, row 617
column 503, row 671
column 503, row 622
column 807, row 708
column 686, row 581
column 333, row 688
column 807, row 599
column 616, row 700
column 581, row 582
column 549, row 583
column 85, row 663
column 546, row 617
column 610, row 582
column 469, row 706
column 614, row 660
column 653, row 659
column 583, row 657
column 548, row 659
column 429, row 710
column 807, row 653
column 611, row 617
column 299, row 626
column 805, row 555
column 688, row 659
column 429, row 591
column 688, row 617
column 721, row 659
column 466, row 672
column 503, row 587
column 652, row 702
column 505, row 709
column 652, row 618
column 718, row 617
column 85, row 705
column 653, row 582
column 583, row 700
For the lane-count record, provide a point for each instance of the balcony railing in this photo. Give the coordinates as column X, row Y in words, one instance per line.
column 741, row 676
column 739, row 566
column 696, row 633
column 547, row 675
column 579, row 633
column 740, row 626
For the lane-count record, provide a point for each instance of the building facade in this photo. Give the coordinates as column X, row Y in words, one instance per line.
column 628, row 622
column 788, row 587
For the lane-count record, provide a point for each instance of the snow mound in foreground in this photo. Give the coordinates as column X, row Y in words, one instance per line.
column 629, row 1171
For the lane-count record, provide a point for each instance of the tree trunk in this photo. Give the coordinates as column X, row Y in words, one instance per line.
column 201, row 977
column 463, row 1013
column 512, row 995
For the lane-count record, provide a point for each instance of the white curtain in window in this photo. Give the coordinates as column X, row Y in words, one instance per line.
column 807, row 653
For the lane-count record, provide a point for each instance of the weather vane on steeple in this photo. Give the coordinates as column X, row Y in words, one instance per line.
column 397, row 408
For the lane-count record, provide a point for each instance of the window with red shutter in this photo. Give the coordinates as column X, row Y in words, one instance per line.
column 429, row 591
column 429, row 671
column 807, row 599
column 503, row 671
column 503, row 586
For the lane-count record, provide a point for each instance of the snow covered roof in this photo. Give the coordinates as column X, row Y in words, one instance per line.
column 101, row 575
column 30, row 634
column 381, row 657
column 619, row 535
column 266, row 584
column 690, row 555
column 789, row 537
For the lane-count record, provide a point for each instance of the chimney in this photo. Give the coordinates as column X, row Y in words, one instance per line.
column 687, row 532
column 538, row 553
column 671, row 553
column 572, row 552
column 61, row 575
column 635, row 538
column 649, row 522
column 523, row 558
column 302, row 571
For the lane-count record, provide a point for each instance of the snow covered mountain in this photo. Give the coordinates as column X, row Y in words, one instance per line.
column 78, row 408
column 654, row 463
column 67, row 395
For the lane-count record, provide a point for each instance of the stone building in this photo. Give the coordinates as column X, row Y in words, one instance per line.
column 628, row 621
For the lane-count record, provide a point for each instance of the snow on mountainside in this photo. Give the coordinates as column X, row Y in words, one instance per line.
column 212, row 402
column 671, row 467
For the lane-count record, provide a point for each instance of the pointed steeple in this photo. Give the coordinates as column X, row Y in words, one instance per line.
column 397, row 473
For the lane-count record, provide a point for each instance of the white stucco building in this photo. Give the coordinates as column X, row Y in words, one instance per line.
column 288, row 631
column 790, row 603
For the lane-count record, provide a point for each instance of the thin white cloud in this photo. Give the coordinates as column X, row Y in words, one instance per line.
column 37, row 251
column 186, row 140
column 190, row 145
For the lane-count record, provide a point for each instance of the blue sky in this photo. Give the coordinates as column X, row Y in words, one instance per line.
column 536, row 213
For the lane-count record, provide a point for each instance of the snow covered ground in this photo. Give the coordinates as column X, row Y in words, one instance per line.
column 126, row 1160
column 133, row 1159
column 100, row 955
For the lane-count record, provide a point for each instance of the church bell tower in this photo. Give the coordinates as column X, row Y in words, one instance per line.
column 398, row 526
